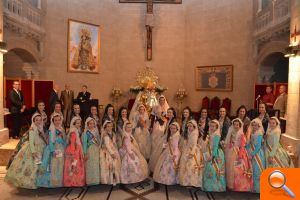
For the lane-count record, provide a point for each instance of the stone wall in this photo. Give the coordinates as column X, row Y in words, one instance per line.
column 219, row 33
column 198, row 32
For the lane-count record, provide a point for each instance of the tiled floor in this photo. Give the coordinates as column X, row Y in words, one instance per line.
column 144, row 191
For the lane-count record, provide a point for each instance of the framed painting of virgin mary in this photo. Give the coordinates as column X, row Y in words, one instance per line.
column 214, row 78
column 83, row 47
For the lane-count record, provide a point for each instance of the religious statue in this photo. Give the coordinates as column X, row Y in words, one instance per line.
column 147, row 88
column 83, row 58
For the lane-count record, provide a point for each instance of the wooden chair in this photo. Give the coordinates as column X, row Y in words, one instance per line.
column 214, row 107
column 227, row 104
column 205, row 102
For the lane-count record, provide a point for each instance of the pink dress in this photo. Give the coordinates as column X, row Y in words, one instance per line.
column 74, row 174
column 242, row 169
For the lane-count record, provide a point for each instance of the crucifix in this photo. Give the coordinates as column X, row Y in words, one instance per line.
column 149, row 27
column 295, row 34
column 150, row 20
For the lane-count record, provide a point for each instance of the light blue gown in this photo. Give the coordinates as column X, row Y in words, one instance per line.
column 255, row 149
column 43, row 178
column 57, row 162
column 214, row 171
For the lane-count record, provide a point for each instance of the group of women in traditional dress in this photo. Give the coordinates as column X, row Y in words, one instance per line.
column 213, row 154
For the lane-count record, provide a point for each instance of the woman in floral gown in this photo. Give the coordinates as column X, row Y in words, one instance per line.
column 25, row 166
column 57, row 144
column 238, row 168
column 166, row 170
column 122, row 118
column 110, row 162
column 214, row 171
column 256, row 151
column 243, row 181
column 158, row 123
column 74, row 173
column 276, row 155
column 191, row 161
column 186, row 117
column 109, row 115
column 40, row 109
column 141, row 133
column 134, row 167
column 158, row 146
column 91, row 144
column 95, row 115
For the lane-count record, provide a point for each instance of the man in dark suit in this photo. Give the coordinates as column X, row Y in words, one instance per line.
column 83, row 99
column 17, row 108
column 67, row 97
column 53, row 97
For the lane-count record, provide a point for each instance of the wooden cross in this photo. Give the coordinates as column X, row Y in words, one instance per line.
column 150, row 20
column 149, row 28
column 295, row 34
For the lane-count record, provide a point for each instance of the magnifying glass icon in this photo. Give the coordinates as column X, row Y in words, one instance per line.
column 277, row 180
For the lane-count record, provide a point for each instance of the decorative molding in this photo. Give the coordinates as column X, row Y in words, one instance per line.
column 271, row 24
column 25, row 20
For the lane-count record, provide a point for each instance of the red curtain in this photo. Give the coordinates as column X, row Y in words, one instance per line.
column 26, row 88
column 42, row 92
column 259, row 89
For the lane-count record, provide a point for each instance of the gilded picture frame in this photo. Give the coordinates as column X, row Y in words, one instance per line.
column 154, row 1
column 214, row 78
column 83, row 47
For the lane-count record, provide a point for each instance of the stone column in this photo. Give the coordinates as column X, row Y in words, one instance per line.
column 4, row 135
column 27, row 68
column 259, row 6
column 39, row 4
column 292, row 135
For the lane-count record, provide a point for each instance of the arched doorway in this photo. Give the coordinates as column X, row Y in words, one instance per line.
column 274, row 68
column 19, row 62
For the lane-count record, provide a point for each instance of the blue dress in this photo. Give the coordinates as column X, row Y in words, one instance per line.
column 214, row 171
column 91, row 143
column 53, row 161
column 43, row 178
column 255, row 149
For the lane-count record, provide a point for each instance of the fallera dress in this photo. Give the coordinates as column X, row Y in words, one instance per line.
column 109, row 167
column 74, row 173
column 24, row 168
column 166, row 170
column 134, row 167
column 91, row 146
